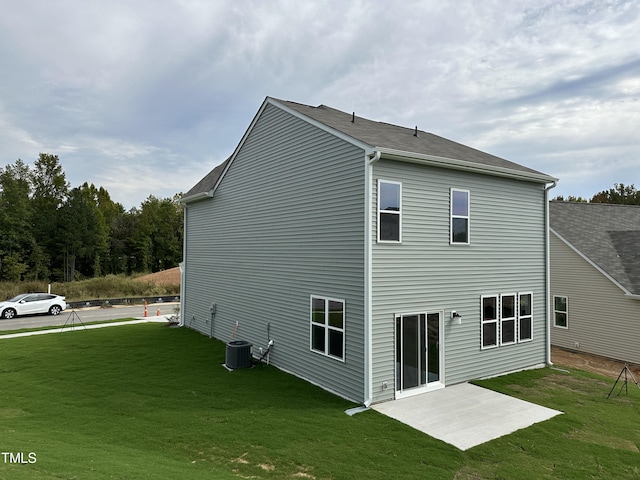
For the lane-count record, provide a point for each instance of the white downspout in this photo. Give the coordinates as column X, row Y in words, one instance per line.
column 548, row 269
column 368, row 260
column 183, row 264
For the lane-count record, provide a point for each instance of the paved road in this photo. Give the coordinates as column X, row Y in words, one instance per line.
column 85, row 315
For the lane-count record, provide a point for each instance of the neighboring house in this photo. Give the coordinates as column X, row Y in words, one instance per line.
column 595, row 278
column 382, row 261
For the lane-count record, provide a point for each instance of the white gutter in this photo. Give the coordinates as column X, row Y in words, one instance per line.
column 548, row 268
column 455, row 164
column 196, row 197
column 370, row 159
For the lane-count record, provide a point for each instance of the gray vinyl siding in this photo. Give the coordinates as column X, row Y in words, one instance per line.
column 427, row 274
column 285, row 223
column 601, row 320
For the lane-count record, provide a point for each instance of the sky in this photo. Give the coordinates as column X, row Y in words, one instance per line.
column 146, row 97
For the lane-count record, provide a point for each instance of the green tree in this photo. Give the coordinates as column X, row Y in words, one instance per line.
column 85, row 234
column 54, row 232
column 108, row 215
column 621, row 194
column 157, row 240
column 16, row 220
column 570, row 198
column 13, row 267
column 122, row 257
column 50, row 188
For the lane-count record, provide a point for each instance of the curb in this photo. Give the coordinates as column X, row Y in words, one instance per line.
column 74, row 328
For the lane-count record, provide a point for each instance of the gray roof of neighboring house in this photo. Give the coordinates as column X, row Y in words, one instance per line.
column 381, row 135
column 608, row 235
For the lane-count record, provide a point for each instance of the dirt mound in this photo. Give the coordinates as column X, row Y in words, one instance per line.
column 591, row 363
column 165, row 277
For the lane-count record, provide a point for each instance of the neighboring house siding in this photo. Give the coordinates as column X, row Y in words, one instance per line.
column 427, row 274
column 285, row 223
column 601, row 319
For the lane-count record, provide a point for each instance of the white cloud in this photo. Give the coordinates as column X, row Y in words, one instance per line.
column 165, row 89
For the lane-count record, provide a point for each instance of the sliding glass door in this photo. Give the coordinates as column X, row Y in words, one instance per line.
column 418, row 352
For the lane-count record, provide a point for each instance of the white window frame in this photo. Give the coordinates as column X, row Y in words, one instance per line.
column 513, row 318
column 500, row 319
column 495, row 321
column 467, row 217
column 327, row 326
column 521, row 317
column 399, row 212
column 565, row 312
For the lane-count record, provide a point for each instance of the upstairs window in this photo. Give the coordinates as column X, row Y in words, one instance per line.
column 327, row 327
column 389, row 211
column 459, row 217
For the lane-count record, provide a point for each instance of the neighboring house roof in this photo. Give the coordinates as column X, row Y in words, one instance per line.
column 607, row 235
column 391, row 141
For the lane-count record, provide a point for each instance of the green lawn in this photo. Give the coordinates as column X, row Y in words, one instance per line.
column 147, row 401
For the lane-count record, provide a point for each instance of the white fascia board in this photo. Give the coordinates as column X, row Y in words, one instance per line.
column 594, row 265
column 455, row 164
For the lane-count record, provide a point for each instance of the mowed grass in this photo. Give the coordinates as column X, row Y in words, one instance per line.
column 147, row 401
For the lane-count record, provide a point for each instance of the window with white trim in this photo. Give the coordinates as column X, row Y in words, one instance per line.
column 489, row 332
column 460, row 217
column 560, row 311
column 506, row 319
column 389, row 211
column 327, row 326
column 525, row 317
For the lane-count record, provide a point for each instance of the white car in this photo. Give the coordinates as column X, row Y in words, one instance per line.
column 32, row 303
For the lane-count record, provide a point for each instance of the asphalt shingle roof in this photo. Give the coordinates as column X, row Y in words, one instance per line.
column 386, row 135
column 209, row 181
column 381, row 135
column 609, row 235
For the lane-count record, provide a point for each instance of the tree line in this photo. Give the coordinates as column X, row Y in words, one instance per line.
column 53, row 232
column 620, row 194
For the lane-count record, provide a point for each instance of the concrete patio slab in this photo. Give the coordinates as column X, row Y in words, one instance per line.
column 465, row 415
